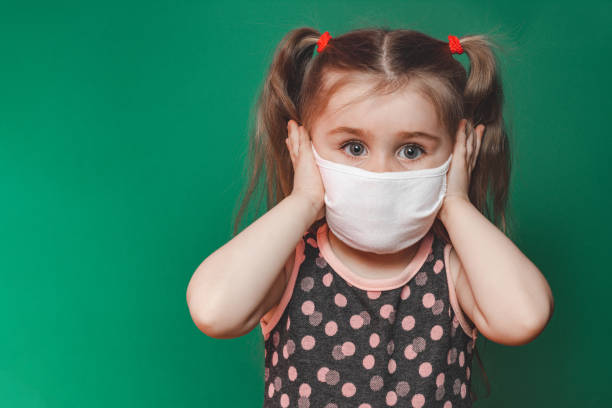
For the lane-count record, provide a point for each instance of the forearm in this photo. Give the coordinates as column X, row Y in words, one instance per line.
column 229, row 284
column 504, row 282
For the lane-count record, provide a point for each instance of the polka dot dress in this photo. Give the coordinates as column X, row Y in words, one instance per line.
column 339, row 340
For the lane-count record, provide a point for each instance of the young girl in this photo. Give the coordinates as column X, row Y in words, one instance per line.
column 376, row 265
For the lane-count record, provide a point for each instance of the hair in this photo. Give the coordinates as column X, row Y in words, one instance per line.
column 299, row 86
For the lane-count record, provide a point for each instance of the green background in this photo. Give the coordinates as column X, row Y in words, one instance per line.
column 123, row 138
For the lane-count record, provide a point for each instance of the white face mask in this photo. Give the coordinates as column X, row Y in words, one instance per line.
column 381, row 212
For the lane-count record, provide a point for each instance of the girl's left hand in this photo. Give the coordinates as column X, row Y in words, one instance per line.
column 465, row 154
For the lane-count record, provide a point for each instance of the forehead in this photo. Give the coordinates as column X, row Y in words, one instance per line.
column 405, row 109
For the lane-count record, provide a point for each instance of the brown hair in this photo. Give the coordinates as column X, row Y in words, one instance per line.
column 298, row 86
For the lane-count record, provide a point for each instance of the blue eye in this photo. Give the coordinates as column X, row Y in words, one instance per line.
column 354, row 153
column 356, row 150
column 413, row 148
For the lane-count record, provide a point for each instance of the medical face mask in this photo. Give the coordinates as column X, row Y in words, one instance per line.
column 381, row 212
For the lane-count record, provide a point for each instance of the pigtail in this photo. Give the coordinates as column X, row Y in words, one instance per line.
column 483, row 103
column 278, row 102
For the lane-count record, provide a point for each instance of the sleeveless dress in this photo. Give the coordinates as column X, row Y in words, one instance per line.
column 337, row 339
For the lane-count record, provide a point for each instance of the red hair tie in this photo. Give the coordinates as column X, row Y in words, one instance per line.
column 323, row 40
column 454, row 45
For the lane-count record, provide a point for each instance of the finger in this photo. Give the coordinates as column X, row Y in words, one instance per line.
column 296, row 140
column 288, row 144
column 474, row 146
column 460, row 140
column 469, row 147
column 473, row 149
column 290, row 140
column 480, row 133
column 303, row 139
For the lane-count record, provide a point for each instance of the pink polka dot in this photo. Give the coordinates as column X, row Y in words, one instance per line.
column 305, row 390
column 440, row 380
column 364, row 405
column 356, row 321
column 271, row 390
column 308, row 342
column 448, row 404
column 274, row 358
column 436, row 332
column 438, row 266
column 348, row 389
column 322, row 373
column 390, row 347
column 438, row 307
column 402, row 388
column 374, row 340
column 308, row 307
column 290, row 346
column 463, row 390
column 467, row 372
column 421, row 278
column 392, row 366
column 275, row 338
column 373, row 294
column 409, row 352
column 391, row 398
column 366, row 317
column 451, row 356
column 332, row 377
column 288, row 321
column 385, row 310
column 327, row 279
column 461, row 359
column 331, row 328
column 337, row 353
column 408, row 323
column 405, row 292
column 292, row 373
column 340, row 299
column 376, row 383
column 425, row 369
column 368, row 361
column 284, row 400
column 428, row 300
column 419, row 344
column 348, row 348
column 418, row 400
column 285, row 352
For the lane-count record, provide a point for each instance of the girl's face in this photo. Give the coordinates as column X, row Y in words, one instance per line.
column 395, row 132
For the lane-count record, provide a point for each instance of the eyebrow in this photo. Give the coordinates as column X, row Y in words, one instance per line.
column 362, row 133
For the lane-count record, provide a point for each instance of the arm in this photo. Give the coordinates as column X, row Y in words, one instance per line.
column 501, row 290
column 229, row 286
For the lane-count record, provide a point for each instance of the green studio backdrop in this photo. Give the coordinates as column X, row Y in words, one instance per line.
column 123, row 130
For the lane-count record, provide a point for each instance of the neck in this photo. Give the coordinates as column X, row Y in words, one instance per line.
column 397, row 259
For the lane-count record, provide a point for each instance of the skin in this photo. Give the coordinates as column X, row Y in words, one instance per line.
column 380, row 148
column 502, row 292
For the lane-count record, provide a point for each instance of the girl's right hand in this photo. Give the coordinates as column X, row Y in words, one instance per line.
column 307, row 182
